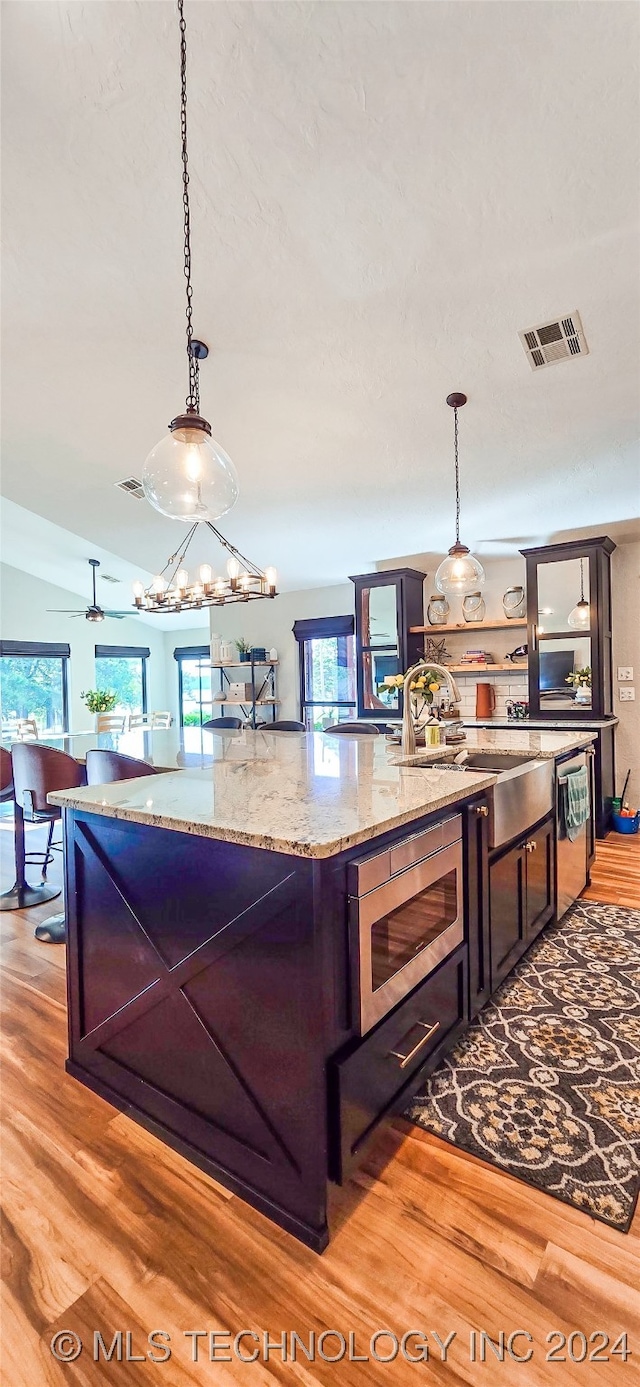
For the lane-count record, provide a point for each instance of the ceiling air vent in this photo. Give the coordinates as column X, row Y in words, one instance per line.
column 133, row 487
column 109, row 578
column 552, row 342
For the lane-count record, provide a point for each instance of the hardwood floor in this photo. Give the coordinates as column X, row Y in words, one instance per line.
column 107, row 1230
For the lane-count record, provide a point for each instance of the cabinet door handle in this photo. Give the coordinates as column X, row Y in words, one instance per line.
column 531, row 846
column 482, row 811
column 406, row 1059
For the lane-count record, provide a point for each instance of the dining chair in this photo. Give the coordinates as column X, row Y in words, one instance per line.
column 26, row 729
column 111, row 722
column 161, row 721
column 352, row 729
column 104, row 767
column 214, row 723
column 283, row 725
column 37, row 772
column 138, row 720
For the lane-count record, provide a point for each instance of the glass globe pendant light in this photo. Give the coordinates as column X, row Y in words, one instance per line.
column 579, row 618
column 188, row 476
column 460, row 573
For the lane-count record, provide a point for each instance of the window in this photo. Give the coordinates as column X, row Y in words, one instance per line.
column 33, row 684
column 122, row 670
column 194, row 684
column 327, row 670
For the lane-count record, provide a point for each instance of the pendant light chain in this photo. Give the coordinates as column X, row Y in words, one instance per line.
column 581, row 580
column 193, row 398
column 455, row 445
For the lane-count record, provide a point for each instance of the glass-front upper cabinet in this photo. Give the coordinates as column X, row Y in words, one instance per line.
column 387, row 605
column 569, row 629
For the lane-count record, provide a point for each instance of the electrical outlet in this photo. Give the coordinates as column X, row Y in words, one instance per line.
column 627, row 695
column 625, row 672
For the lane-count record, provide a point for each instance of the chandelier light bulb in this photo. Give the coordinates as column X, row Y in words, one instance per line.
column 182, row 579
column 138, row 592
column 158, row 585
column 205, row 573
column 233, row 568
column 271, row 578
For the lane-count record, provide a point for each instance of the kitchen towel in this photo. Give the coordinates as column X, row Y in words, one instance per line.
column 574, row 801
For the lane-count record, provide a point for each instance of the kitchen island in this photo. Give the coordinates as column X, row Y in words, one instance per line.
column 267, row 954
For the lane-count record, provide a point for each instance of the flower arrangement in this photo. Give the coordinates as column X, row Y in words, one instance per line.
column 580, row 677
column 422, row 690
column 99, row 700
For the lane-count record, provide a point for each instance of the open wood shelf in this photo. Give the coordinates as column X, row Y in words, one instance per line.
column 469, row 626
column 242, row 664
column 488, row 669
column 246, row 702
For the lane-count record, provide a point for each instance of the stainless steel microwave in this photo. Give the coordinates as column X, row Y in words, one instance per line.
column 406, row 915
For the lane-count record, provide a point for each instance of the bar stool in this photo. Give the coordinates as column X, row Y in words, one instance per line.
column 351, row 729
column 104, row 767
column 214, row 723
column 6, row 776
column 283, row 725
column 38, row 771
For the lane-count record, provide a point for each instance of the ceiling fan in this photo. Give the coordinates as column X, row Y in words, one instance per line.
column 93, row 612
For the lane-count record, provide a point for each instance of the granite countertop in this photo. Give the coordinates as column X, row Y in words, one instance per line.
column 549, row 724
column 503, row 742
column 311, row 796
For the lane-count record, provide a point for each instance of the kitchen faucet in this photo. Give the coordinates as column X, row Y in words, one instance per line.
column 408, row 729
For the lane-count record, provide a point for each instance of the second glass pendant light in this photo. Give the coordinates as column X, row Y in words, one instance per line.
column 461, row 572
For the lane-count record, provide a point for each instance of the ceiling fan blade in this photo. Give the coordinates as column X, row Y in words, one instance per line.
column 119, row 616
column 65, row 611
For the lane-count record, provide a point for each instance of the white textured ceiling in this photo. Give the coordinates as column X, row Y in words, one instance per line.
column 383, row 194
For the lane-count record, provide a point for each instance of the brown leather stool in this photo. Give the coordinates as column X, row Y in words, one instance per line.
column 103, row 767
column 6, row 776
column 37, row 771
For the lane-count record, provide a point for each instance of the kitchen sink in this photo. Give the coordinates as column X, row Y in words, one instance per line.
column 520, row 797
column 489, row 761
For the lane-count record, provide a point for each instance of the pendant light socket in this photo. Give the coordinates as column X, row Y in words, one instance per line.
column 190, row 420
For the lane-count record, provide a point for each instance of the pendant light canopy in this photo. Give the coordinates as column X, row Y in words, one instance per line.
column 188, row 476
column 460, row 573
column 579, row 618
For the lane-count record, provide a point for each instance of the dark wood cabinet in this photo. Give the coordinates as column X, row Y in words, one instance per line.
column 476, row 885
column 569, row 628
column 521, row 897
column 380, row 1074
column 387, row 605
column 507, row 878
column 539, row 847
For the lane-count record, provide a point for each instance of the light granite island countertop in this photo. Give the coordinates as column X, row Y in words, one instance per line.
column 309, row 795
column 538, row 745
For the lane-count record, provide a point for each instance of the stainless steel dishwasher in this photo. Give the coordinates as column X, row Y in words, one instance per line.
column 571, row 857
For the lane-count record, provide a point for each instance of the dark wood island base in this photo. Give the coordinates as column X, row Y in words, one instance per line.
column 211, row 1000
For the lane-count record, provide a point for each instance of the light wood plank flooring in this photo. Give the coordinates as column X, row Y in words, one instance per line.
column 105, row 1229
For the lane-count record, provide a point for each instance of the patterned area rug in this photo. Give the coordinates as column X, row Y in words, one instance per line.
column 545, row 1083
